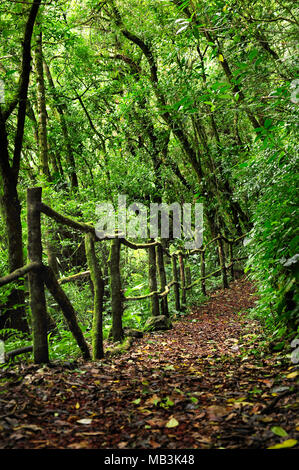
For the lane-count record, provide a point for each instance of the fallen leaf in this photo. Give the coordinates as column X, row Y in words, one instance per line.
column 284, row 444
column 156, row 422
column 122, row 445
column 154, row 444
column 292, row 375
column 32, row 427
column 279, row 431
column 137, row 401
column 78, row 445
column 84, row 421
column 172, row 423
column 216, row 412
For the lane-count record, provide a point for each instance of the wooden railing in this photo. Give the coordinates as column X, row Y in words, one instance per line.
column 41, row 276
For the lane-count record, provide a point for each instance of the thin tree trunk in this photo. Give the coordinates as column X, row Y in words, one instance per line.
column 183, row 281
column 162, row 278
column 176, row 285
column 152, row 274
column 203, row 272
column 222, row 262
column 67, row 140
column 231, row 256
column 42, row 112
column 116, row 291
column 98, row 292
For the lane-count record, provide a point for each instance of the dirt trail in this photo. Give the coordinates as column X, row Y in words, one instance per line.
column 202, row 384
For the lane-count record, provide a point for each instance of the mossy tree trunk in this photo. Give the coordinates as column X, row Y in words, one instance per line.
column 98, row 292
column 152, row 275
column 62, row 112
column 203, row 272
column 176, row 285
column 162, row 279
column 116, row 291
column 183, row 280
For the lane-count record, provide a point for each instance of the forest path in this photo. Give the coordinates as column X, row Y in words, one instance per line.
column 200, row 385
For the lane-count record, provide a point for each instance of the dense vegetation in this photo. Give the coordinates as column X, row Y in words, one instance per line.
column 181, row 100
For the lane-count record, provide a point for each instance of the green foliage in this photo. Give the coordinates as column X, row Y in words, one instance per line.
column 63, row 346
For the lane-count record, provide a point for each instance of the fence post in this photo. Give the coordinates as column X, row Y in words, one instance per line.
column 116, row 291
column 183, row 282
column 162, row 278
column 203, row 272
column 152, row 274
column 38, row 304
column 98, row 292
column 176, row 285
column 222, row 262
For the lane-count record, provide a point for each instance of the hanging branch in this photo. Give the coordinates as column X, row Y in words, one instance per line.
column 35, row 266
column 66, row 220
column 74, row 277
column 138, row 246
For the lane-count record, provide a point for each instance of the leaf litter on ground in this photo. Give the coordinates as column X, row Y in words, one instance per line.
column 200, row 385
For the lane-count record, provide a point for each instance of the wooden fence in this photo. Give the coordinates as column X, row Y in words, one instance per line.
column 41, row 276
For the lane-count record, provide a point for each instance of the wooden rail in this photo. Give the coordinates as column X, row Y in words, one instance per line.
column 41, row 276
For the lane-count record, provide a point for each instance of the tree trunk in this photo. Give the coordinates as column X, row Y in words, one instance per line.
column 42, row 112
column 152, row 275
column 203, row 272
column 162, row 278
column 222, row 262
column 183, row 282
column 67, row 140
column 176, row 285
column 11, row 213
column 116, row 291
column 9, row 201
